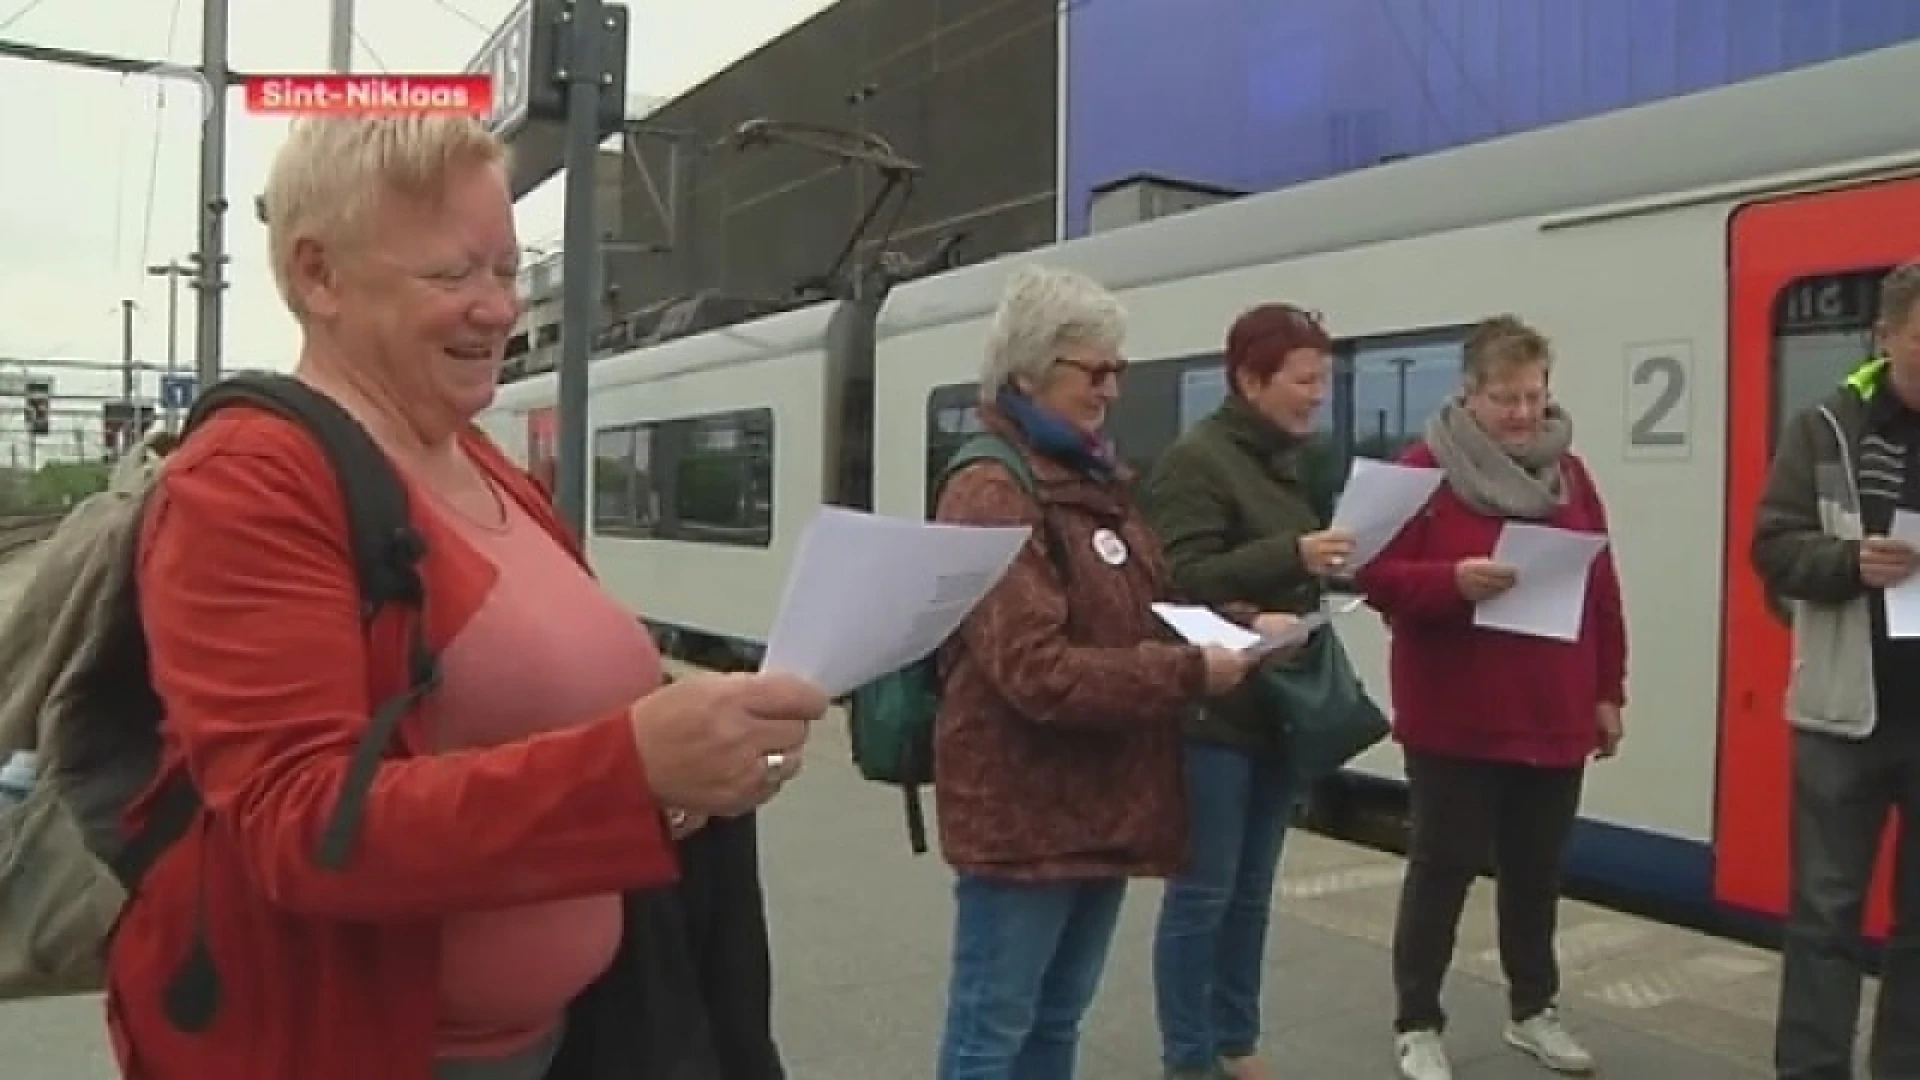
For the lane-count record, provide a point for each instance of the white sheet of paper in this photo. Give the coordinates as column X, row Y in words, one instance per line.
column 1294, row 634
column 1903, row 600
column 1201, row 626
column 869, row 595
column 1549, row 597
column 1378, row 501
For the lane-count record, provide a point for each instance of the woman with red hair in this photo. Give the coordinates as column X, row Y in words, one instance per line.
column 1235, row 505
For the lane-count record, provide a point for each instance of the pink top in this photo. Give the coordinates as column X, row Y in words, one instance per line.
column 548, row 649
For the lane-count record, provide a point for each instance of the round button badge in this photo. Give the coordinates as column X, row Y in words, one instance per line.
column 1111, row 549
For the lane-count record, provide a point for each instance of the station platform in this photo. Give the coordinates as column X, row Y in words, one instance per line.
column 861, row 931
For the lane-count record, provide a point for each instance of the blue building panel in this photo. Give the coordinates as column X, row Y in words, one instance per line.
column 1261, row 94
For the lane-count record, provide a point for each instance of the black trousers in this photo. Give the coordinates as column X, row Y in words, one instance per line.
column 1466, row 814
column 689, row 995
column 1844, row 792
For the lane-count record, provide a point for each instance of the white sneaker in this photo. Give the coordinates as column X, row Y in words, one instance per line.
column 1546, row 1038
column 1422, row 1056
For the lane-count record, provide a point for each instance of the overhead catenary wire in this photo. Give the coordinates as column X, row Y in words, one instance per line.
column 19, row 13
column 457, row 12
column 372, row 53
column 123, row 137
column 551, row 242
column 153, row 153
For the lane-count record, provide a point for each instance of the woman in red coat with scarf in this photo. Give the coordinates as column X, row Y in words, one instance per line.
column 1496, row 726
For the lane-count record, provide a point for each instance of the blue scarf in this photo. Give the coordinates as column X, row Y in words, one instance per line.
column 1055, row 438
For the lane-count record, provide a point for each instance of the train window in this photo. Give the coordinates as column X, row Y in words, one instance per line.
column 1822, row 330
column 706, row 479
column 1396, row 384
column 1157, row 402
column 1384, row 390
column 953, row 416
column 1142, row 425
column 723, row 477
column 1202, row 388
column 623, row 498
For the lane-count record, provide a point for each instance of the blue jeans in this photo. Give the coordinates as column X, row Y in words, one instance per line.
column 1211, row 941
column 1027, row 959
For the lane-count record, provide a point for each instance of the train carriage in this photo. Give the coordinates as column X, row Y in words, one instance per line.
column 1704, row 266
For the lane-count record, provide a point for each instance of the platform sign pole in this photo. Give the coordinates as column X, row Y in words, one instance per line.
column 581, row 257
column 559, row 70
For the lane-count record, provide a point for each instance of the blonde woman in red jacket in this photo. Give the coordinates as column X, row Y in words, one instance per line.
column 535, row 786
column 1496, row 727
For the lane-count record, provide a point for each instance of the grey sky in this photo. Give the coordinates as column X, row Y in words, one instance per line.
column 75, row 232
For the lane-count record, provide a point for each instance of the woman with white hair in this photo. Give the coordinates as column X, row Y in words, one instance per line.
column 1058, row 749
column 544, row 775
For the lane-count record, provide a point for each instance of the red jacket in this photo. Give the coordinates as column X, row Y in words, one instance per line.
column 257, row 650
column 1462, row 691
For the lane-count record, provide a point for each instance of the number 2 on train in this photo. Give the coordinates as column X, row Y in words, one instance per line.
column 1659, row 399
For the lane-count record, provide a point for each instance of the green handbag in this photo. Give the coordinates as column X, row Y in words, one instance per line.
column 1326, row 715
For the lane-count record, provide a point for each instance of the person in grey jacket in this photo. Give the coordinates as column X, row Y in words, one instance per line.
column 1822, row 544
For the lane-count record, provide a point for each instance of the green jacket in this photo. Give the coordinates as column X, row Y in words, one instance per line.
column 1806, row 549
column 1230, row 501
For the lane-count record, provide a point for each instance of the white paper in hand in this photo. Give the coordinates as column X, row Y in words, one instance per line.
column 1549, row 597
column 1378, row 501
column 869, row 595
column 1903, row 600
column 1201, row 626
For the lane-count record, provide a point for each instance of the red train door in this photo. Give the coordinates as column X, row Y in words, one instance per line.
column 1803, row 273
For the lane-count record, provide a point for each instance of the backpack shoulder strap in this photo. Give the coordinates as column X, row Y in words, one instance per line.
column 386, row 547
column 991, row 447
column 387, row 550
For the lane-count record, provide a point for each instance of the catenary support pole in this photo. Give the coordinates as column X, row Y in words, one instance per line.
column 173, row 334
column 126, row 368
column 212, row 256
column 580, row 265
column 127, row 350
column 340, row 38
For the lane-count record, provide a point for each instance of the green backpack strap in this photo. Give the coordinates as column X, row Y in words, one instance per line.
column 991, row 447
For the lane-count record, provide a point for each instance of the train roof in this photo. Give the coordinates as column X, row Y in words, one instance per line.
column 780, row 334
column 1844, row 110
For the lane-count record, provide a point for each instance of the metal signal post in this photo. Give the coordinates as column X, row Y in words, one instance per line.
column 559, row 70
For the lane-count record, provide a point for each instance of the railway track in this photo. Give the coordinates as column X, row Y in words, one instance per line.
column 22, row 531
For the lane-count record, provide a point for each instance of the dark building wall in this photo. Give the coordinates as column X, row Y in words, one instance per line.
column 1256, row 95
column 966, row 88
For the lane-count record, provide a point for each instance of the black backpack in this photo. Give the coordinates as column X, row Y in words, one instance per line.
column 94, row 717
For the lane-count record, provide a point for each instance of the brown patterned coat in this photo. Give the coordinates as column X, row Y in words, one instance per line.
column 1058, row 745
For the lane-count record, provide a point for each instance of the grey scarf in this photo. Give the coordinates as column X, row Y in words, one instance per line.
column 1495, row 480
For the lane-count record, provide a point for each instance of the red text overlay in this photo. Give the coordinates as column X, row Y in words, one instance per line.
column 351, row 95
